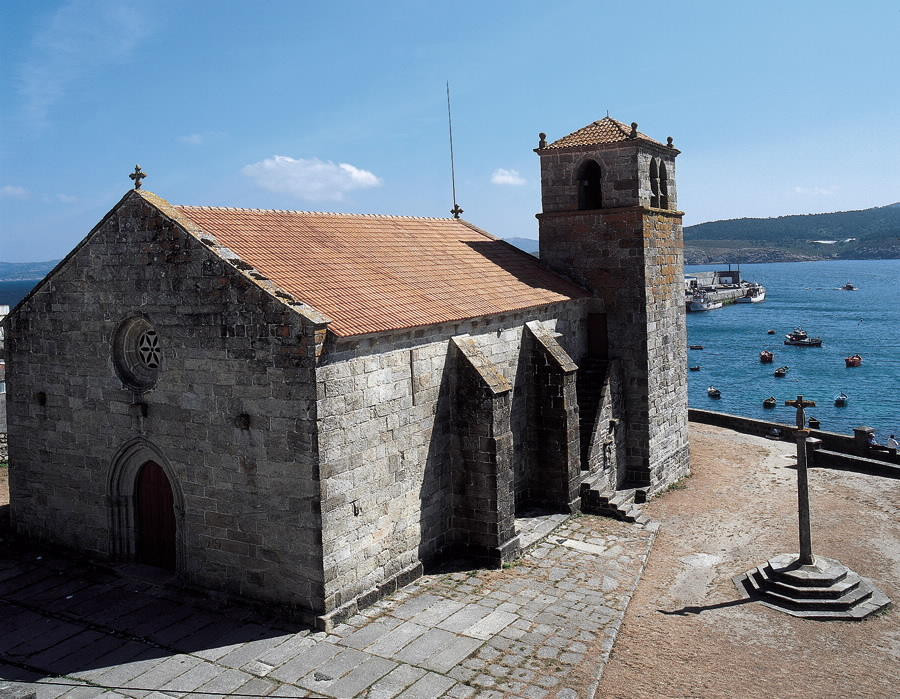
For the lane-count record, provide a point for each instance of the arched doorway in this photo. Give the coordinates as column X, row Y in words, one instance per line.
column 154, row 508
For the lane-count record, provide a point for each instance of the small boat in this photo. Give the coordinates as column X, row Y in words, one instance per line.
column 841, row 400
column 713, row 392
column 766, row 357
column 853, row 360
column 814, row 423
column 781, row 371
column 848, row 287
column 695, row 368
column 702, row 302
column 770, row 402
column 771, row 332
column 800, row 338
column 755, row 294
column 695, row 346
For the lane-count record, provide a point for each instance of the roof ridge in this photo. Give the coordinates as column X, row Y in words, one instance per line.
column 316, row 213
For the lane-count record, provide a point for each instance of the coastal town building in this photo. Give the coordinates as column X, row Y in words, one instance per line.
column 307, row 409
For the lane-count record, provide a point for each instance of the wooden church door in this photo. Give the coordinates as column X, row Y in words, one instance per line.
column 155, row 509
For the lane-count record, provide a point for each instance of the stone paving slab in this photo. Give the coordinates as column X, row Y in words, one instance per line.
column 524, row 630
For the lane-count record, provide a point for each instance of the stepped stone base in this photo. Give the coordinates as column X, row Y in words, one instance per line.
column 827, row 589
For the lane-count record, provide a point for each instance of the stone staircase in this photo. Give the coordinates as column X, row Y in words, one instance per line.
column 620, row 504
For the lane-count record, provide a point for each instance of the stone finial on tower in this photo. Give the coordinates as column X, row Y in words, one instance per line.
column 633, row 133
column 137, row 176
column 669, row 142
column 542, row 143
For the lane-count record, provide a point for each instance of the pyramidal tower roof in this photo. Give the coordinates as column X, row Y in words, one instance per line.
column 603, row 131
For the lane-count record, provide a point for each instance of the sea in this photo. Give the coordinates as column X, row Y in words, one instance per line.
column 799, row 294
column 806, row 295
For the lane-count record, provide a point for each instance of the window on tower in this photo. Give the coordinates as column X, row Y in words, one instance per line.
column 663, row 186
column 590, row 179
column 654, row 184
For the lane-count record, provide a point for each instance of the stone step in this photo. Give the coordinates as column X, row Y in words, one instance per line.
column 848, row 583
column 846, row 601
column 798, row 580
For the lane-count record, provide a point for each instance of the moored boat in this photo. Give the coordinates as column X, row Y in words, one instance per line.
column 771, row 332
column 770, row 402
column 841, row 400
column 695, row 368
column 755, row 294
column 702, row 302
column 799, row 338
column 853, row 360
column 766, row 357
column 782, row 371
column 713, row 392
column 695, row 346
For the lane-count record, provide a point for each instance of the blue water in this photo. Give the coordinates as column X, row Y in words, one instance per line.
column 13, row 292
column 805, row 294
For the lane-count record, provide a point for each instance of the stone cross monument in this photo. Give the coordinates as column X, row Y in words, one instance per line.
column 804, row 585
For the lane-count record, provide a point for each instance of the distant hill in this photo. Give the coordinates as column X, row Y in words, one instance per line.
column 18, row 271
column 864, row 234
column 526, row 244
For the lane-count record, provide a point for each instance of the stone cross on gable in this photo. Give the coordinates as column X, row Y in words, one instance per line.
column 137, row 176
column 806, row 555
column 456, row 210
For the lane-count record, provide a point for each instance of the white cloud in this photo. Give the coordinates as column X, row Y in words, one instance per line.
column 309, row 178
column 508, row 177
column 67, row 198
column 12, row 191
column 80, row 37
column 817, row 191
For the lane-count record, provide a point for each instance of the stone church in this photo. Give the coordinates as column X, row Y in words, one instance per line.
column 306, row 409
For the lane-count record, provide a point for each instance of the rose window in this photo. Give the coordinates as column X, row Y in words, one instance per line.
column 137, row 354
column 148, row 349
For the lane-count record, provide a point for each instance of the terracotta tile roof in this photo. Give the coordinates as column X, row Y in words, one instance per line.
column 606, row 130
column 376, row 273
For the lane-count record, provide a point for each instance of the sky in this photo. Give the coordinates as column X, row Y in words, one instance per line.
column 778, row 107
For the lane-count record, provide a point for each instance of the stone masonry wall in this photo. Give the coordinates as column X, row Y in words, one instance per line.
column 666, row 348
column 250, row 488
column 386, row 442
column 555, row 476
column 483, row 497
column 631, row 259
column 607, row 454
column 626, row 175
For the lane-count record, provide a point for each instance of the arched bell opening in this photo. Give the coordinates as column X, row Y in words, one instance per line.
column 663, row 186
column 654, row 183
column 590, row 181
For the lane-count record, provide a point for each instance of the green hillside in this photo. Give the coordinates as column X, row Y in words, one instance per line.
column 865, row 234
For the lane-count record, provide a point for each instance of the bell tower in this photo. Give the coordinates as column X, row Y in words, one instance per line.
column 610, row 222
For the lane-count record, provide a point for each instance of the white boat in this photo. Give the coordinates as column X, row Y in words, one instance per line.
column 701, row 302
column 755, row 294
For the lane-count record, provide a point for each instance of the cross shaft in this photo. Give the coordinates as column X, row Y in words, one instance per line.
column 806, row 555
